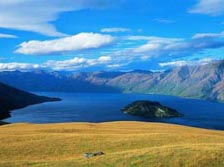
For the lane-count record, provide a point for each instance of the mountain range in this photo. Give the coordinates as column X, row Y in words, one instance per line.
column 196, row 81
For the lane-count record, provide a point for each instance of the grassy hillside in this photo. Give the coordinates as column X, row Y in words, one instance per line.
column 124, row 144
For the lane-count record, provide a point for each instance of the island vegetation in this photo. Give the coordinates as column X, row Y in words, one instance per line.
column 150, row 109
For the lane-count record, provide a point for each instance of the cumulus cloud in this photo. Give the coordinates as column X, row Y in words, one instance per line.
column 82, row 41
column 18, row 66
column 78, row 63
column 73, row 64
column 7, row 36
column 115, row 29
column 209, row 7
column 38, row 15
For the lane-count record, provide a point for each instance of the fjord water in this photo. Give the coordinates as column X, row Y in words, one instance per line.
column 92, row 107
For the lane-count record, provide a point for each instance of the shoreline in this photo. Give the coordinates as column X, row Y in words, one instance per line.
column 7, row 114
column 4, row 123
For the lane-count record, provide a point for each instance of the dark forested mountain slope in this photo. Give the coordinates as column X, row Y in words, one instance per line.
column 11, row 98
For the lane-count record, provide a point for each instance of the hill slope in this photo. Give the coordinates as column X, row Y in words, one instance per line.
column 125, row 144
column 12, row 98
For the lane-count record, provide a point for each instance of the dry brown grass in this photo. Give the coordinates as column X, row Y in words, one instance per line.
column 124, row 144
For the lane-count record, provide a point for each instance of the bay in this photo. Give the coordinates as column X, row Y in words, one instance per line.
column 106, row 107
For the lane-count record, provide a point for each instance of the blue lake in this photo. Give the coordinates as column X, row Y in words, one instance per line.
column 91, row 107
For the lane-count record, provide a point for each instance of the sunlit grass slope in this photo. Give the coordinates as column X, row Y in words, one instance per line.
column 124, row 144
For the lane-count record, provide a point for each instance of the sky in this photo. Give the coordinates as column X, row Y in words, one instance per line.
column 109, row 35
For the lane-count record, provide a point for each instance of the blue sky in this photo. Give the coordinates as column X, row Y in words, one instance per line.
column 87, row 35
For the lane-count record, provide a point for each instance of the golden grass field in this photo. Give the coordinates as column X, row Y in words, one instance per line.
column 125, row 144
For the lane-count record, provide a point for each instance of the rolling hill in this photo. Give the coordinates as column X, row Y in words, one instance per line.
column 125, row 144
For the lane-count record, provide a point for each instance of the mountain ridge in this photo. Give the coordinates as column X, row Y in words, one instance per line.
column 197, row 81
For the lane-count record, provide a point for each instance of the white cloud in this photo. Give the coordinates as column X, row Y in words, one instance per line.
column 209, row 7
column 149, row 47
column 157, row 46
column 184, row 63
column 82, row 41
column 160, row 47
column 78, row 63
column 114, row 30
column 38, row 15
column 7, row 36
column 154, row 47
column 174, row 63
column 208, row 35
column 151, row 38
column 18, row 66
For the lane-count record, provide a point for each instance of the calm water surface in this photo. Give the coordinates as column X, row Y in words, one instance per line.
column 90, row 107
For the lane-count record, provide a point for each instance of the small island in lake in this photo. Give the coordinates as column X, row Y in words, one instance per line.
column 150, row 109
